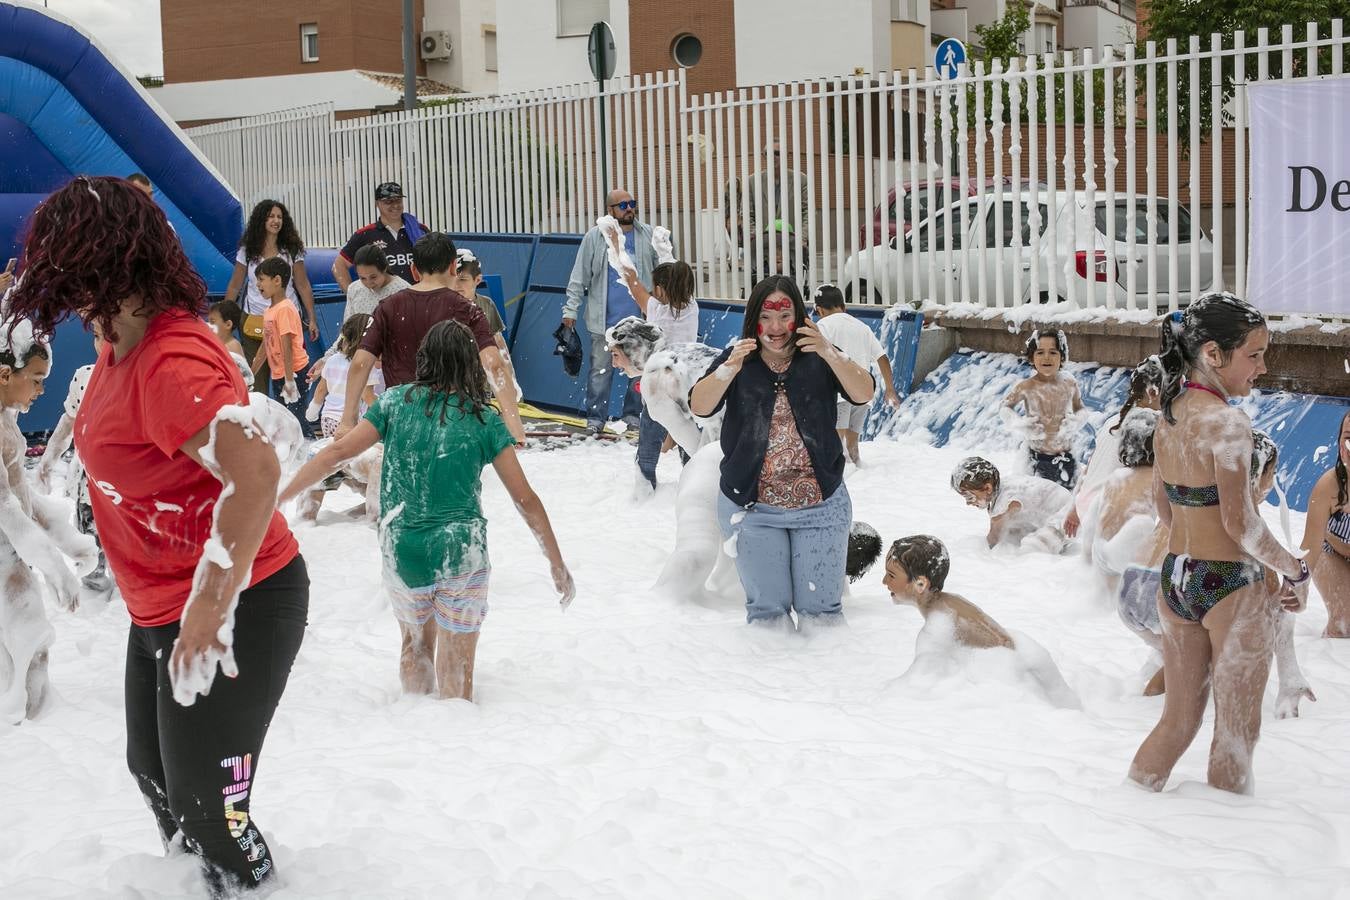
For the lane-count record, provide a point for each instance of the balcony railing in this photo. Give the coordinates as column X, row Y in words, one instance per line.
column 1123, row 9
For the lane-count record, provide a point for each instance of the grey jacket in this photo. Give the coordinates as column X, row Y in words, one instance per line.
column 591, row 275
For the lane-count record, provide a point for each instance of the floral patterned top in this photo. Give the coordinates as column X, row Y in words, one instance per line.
column 787, row 478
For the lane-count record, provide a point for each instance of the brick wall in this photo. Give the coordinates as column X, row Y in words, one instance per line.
column 1141, row 30
column 206, row 40
column 654, row 26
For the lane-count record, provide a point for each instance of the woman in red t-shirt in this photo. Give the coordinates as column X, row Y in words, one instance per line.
column 184, row 501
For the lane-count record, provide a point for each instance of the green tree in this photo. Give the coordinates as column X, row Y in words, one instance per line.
column 1002, row 39
column 1001, row 42
column 1179, row 19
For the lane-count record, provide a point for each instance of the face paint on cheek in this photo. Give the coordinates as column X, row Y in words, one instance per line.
column 792, row 326
column 760, row 329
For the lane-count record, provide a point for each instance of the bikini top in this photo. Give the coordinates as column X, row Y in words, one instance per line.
column 1180, row 495
column 1339, row 525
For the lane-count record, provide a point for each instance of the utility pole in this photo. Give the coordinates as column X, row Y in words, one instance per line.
column 409, row 60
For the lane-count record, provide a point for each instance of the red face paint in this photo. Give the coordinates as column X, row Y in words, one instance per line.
column 760, row 329
column 779, row 305
column 792, row 326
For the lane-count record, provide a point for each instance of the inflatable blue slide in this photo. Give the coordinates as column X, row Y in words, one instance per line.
column 68, row 108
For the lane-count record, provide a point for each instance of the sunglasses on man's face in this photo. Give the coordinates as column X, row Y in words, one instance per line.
column 624, row 205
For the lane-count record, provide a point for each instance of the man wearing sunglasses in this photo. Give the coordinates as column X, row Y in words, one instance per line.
column 607, row 301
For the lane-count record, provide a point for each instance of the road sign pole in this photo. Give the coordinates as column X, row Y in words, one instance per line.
column 947, row 61
column 600, row 52
column 604, row 135
column 955, row 130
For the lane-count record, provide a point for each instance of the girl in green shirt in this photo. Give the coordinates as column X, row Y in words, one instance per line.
column 439, row 432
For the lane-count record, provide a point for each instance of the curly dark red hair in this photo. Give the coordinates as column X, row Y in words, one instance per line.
column 90, row 246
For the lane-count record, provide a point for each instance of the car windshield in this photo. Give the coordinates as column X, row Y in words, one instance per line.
column 1121, row 229
column 921, row 198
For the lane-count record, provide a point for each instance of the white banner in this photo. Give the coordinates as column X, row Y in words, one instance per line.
column 1300, row 196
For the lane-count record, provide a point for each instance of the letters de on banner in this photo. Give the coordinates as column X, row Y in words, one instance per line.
column 1300, row 196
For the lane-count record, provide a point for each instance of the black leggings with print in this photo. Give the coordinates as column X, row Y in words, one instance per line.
column 196, row 764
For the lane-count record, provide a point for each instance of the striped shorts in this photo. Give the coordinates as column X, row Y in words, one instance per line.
column 459, row 602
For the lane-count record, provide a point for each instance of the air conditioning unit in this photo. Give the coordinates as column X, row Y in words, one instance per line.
column 437, row 45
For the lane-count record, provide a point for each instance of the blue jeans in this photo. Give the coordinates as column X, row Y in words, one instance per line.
column 790, row 558
column 651, row 435
column 598, row 385
column 298, row 407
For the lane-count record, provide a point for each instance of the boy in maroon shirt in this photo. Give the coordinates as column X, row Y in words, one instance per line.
column 403, row 319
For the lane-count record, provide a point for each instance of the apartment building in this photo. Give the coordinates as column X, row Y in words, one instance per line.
column 721, row 43
column 1055, row 24
column 226, row 59
column 725, row 44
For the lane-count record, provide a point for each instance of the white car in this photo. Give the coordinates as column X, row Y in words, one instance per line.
column 1081, row 253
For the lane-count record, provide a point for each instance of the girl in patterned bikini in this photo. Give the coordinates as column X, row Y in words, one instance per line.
column 1328, row 525
column 1219, row 618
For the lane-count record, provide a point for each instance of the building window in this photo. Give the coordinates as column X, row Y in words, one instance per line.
column 575, row 17
column 1045, row 37
column 309, row 43
column 905, row 11
column 687, row 50
column 490, row 49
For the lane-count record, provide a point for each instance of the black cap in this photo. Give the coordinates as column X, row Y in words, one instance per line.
column 389, row 190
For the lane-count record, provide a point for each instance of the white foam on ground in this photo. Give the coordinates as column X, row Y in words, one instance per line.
column 639, row 747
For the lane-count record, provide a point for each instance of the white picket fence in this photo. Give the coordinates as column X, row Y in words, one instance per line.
column 1047, row 152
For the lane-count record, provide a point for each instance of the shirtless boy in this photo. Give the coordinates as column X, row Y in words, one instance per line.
column 916, row 573
column 916, row 570
column 1048, row 398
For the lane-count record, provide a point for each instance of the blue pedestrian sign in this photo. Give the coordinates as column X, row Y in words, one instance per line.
column 948, row 58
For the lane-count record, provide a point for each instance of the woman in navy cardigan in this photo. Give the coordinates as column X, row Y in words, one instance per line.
column 782, row 495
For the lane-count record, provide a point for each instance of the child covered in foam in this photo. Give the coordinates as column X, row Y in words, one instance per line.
column 36, row 536
column 1052, row 403
column 1123, row 513
column 1023, row 511
column 98, row 584
column 916, row 574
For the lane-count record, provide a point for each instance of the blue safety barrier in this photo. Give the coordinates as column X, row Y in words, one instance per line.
column 492, row 287
column 509, row 256
column 957, row 404
column 536, row 316
column 319, row 268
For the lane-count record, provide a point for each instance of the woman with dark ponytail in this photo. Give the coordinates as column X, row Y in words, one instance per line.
column 1218, row 610
column 1328, row 522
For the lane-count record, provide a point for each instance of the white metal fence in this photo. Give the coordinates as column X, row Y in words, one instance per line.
column 526, row 162
column 1116, row 179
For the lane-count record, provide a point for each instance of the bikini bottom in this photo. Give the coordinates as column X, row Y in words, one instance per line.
column 1192, row 587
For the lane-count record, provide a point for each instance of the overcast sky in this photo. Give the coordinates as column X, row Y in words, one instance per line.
column 128, row 29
